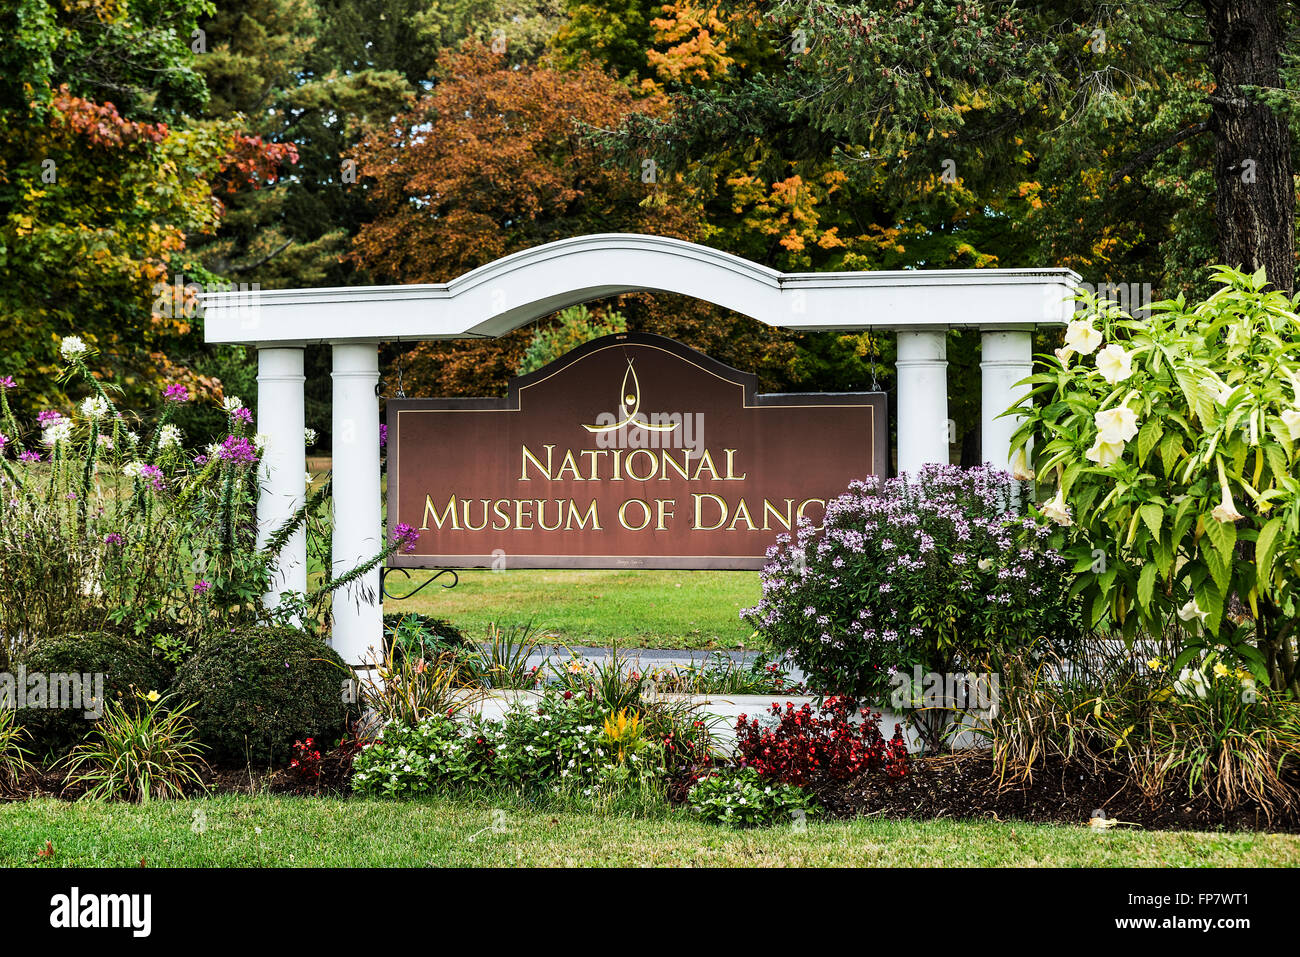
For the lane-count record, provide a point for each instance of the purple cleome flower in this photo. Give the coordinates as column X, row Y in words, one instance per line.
column 177, row 393
column 29, row 457
column 243, row 414
column 405, row 537
column 112, row 538
column 154, row 476
column 202, row 587
column 237, row 449
column 7, row 382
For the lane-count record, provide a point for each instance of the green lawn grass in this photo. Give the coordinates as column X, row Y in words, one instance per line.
column 447, row 832
column 652, row 609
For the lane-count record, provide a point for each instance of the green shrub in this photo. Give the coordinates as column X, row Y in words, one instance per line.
column 128, row 664
column 257, row 689
column 741, row 798
column 424, row 636
column 138, row 753
column 438, row 752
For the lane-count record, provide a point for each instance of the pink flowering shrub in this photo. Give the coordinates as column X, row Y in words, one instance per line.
column 936, row 570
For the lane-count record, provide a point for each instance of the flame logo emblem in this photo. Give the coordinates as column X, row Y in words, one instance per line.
column 629, row 404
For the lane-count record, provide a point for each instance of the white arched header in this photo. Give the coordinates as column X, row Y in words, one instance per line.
column 516, row 290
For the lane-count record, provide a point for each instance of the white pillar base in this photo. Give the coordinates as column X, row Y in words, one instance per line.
column 1006, row 358
column 282, row 472
column 922, row 399
column 358, row 520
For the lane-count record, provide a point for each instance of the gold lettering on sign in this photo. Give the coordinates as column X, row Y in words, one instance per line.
column 594, row 462
column 530, row 457
column 666, row 459
column 664, row 509
column 731, row 467
column 568, row 465
column 808, row 501
column 742, row 514
column 541, row 515
column 705, row 460
column 645, row 512
column 470, row 526
column 582, row 519
column 631, row 472
column 449, row 513
column 770, row 509
column 699, row 498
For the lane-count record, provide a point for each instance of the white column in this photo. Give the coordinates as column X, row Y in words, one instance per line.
column 1006, row 358
column 922, row 399
column 358, row 523
column 282, row 472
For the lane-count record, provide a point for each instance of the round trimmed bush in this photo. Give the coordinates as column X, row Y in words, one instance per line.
column 128, row 664
column 256, row 690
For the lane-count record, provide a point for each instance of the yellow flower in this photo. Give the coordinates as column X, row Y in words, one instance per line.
column 1155, row 664
column 153, row 696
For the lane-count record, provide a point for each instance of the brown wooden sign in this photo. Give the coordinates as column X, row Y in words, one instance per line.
column 632, row 451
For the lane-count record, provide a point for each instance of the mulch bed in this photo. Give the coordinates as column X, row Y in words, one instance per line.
column 962, row 786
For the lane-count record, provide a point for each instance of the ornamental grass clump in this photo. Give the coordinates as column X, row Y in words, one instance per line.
column 139, row 754
column 935, row 570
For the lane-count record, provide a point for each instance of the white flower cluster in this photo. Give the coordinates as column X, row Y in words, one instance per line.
column 170, row 436
column 94, row 407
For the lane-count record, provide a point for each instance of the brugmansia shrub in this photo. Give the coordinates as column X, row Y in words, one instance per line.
column 1169, row 445
column 936, row 570
column 129, row 665
column 255, row 690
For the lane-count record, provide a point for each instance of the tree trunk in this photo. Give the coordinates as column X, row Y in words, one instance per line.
column 1255, row 197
